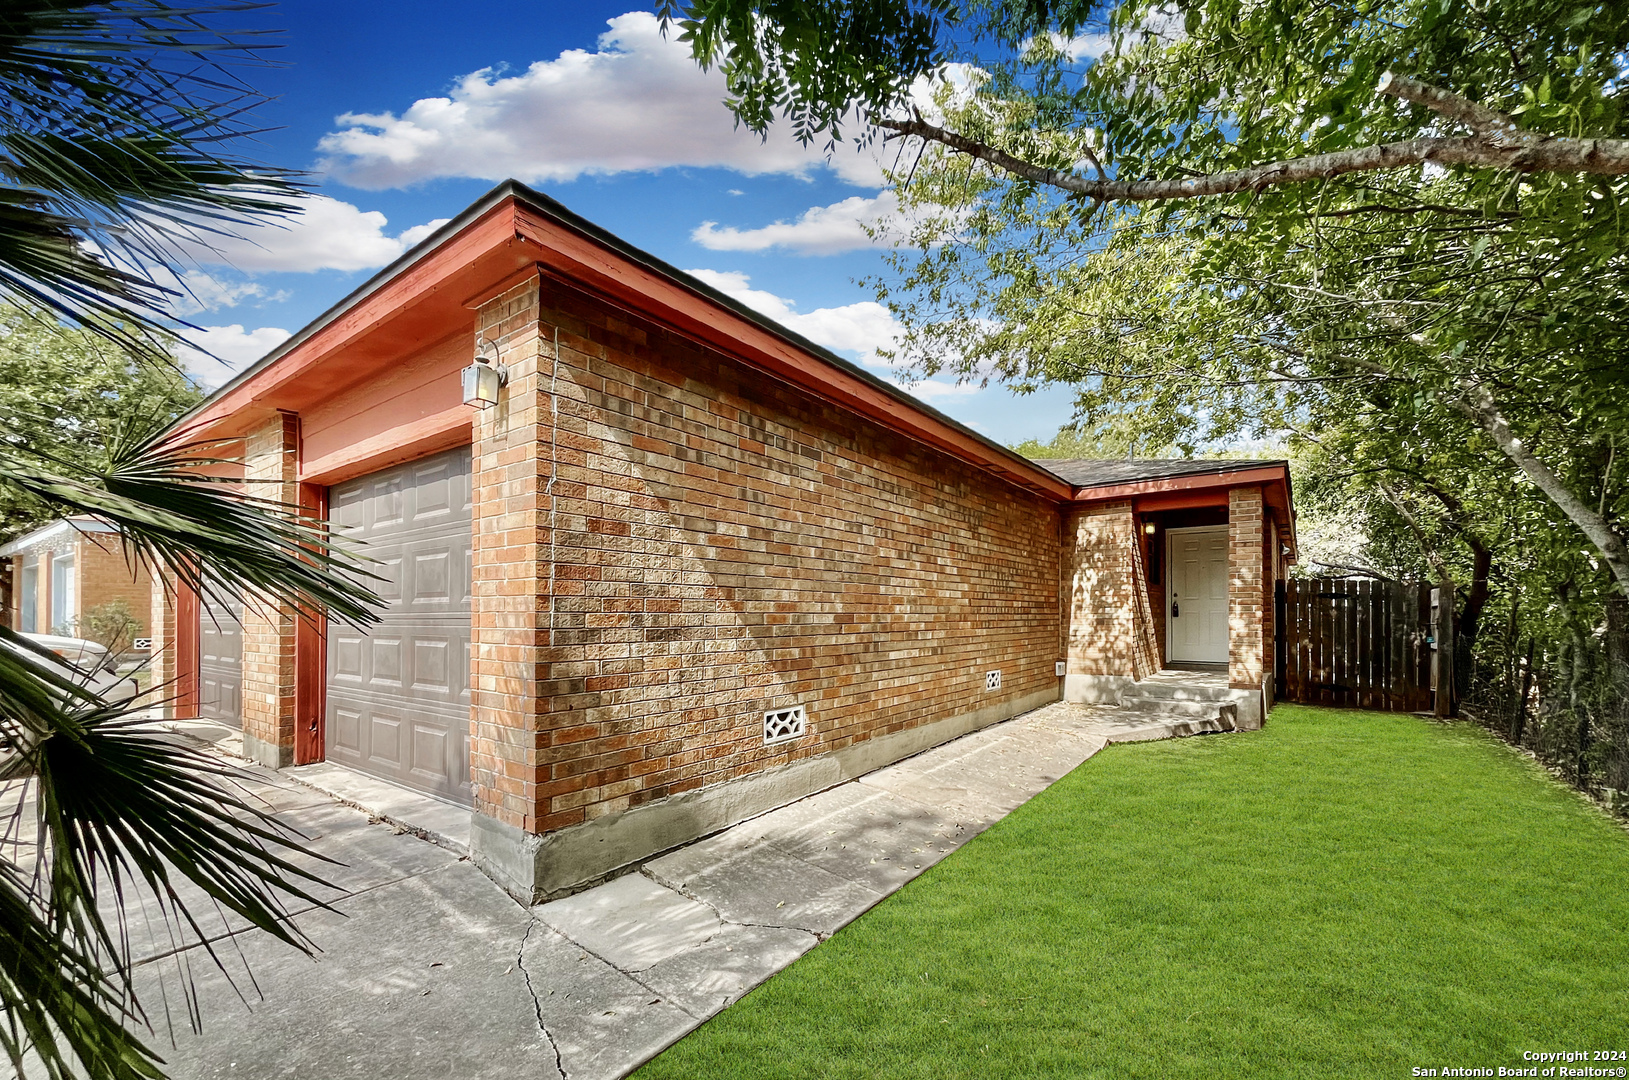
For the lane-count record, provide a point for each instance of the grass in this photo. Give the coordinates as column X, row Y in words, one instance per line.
column 1343, row 894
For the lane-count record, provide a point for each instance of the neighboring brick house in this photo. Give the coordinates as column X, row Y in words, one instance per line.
column 690, row 566
column 60, row 571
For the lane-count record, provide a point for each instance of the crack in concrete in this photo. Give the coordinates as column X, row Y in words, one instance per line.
column 624, row 972
column 725, row 919
column 537, row 1002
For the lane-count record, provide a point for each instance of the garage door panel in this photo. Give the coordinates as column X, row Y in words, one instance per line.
column 406, row 681
column 344, row 730
column 220, row 659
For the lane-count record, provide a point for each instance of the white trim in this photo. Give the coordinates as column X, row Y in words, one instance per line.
column 52, row 532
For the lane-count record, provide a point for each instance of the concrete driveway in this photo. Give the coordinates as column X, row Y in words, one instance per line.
column 428, row 969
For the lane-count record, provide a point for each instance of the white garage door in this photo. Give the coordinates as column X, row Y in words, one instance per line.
column 398, row 696
column 220, row 659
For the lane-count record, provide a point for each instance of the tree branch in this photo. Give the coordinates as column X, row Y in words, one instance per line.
column 1479, row 118
column 1497, row 144
column 1477, row 403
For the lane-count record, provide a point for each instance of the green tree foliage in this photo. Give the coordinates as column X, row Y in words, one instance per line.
column 115, row 118
column 1215, row 217
column 62, row 388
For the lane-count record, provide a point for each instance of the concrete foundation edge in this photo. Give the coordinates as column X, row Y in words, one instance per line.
column 1252, row 708
column 1096, row 689
column 535, row 868
column 268, row 754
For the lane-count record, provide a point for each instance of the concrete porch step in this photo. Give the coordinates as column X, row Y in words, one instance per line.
column 1165, row 706
column 1198, row 696
column 1149, row 690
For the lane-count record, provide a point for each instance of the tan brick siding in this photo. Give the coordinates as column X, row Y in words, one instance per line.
column 270, row 471
column 717, row 544
column 162, row 660
column 1110, row 621
column 1246, row 588
column 106, row 575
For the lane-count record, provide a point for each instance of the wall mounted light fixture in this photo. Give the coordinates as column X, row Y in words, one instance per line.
column 1148, row 527
column 485, row 376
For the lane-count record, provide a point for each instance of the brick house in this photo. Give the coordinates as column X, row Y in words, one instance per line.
column 688, row 568
column 58, row 572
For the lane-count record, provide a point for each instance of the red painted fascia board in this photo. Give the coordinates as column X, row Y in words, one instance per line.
column 1161, row 501
column 488, row 233
column 654, row 297
column 572, row 254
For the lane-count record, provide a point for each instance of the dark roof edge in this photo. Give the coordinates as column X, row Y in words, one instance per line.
column 567, row 217
column 559, row 212
column 581, row 224
column 1221, row 467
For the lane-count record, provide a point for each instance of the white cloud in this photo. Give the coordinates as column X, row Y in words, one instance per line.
column 207, row 292
column 234, row 349
column 932, row 390
column 320, row 233
column 860, row 328
column 820, row 230
column 638, row 103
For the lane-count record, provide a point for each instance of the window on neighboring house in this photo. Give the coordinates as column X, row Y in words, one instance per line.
column 29, row 589
column 63, row 612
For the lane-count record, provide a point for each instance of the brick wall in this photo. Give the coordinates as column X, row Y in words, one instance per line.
column 270, row 471
column 162, row 660
column 106, row 575
column 716, row 544
column 1110, row 621
column 509, row 586
column 1247, row 600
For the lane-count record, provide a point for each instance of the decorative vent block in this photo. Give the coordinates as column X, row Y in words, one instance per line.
column 784, row 725
column 992, row 680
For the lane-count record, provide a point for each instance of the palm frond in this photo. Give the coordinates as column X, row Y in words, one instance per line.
column 173, row 514
column 114, row 123
column 53, row 994
column 122, row 811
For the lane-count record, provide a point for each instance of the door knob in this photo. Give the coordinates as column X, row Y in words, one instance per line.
column 1175, row 610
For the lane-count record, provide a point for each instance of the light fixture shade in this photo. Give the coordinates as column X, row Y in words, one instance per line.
column 481, row 383
column 1148, row 527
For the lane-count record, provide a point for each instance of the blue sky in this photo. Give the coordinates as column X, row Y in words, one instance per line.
column 404, row 113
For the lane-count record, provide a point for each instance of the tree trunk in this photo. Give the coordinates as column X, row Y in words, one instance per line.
column 1470, row 616
column 1521, row 699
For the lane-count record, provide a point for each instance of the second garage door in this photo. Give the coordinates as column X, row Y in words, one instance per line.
column 398, row 696
column 220, row 659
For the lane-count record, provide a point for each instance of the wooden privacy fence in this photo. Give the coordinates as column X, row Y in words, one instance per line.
column 1354, row 643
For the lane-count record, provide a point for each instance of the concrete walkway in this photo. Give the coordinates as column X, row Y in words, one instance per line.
column 429, row 970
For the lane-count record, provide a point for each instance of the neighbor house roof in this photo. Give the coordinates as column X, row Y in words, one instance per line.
column 47, row 535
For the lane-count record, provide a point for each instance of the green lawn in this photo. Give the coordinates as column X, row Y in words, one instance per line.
column 1343, row 894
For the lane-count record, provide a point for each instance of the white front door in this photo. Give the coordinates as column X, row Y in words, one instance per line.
column 1196, row 601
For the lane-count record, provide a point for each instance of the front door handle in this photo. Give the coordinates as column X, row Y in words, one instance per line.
column 1175, row 610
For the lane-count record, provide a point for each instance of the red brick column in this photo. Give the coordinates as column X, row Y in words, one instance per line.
column 1246, row 589
column 509, row 592
column 270, row 471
